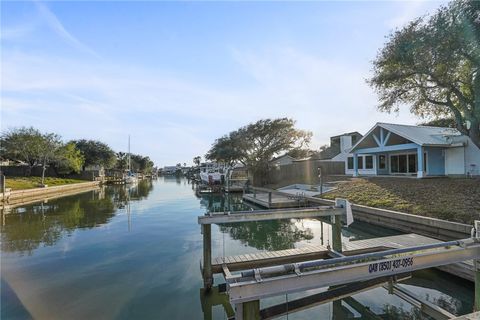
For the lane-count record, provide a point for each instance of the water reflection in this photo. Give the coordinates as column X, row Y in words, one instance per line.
column 267, row 235
column 262, row 235
column 43, row 224
column 223, row 202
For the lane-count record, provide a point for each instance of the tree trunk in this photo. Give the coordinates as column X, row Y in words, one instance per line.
column 474, row 132
column 44, row 168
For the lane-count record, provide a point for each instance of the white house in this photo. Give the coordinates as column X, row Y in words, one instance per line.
column 282, row 160
column 422, row 151
column 168, row 170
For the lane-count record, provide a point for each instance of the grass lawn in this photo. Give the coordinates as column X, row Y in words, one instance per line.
column 19, row 183
column 444, row 198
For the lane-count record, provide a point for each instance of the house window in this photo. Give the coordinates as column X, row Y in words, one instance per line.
column 368, row 162
column 425, row 162
column 360, row 162
column 402, row 163
column 382, row 161
column 394, row 164
column 412, row 163
column 350, row 163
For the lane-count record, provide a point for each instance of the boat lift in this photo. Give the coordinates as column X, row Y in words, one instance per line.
column 345, row 275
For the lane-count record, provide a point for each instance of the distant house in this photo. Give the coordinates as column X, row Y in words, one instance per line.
column 421, row 151
column 282, row 160
column 96, row 170
column 167, row 170
column 340, row 146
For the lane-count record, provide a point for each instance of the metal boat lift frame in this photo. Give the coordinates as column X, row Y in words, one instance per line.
column 334, row 212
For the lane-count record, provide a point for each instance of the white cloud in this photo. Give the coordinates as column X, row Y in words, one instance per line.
column 327, row 97
column 54, row 23
column 173, row 119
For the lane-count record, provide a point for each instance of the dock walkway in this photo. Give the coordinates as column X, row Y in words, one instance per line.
column 274, row 201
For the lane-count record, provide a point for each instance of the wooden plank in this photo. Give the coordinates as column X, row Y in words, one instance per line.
column 252, row 256
column 263, row 255
column 271, row 258
column 272, row 254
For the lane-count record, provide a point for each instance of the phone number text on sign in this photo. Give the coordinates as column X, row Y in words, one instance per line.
column 390, row 265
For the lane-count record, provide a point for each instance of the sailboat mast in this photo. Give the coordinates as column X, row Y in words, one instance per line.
column 129, row 158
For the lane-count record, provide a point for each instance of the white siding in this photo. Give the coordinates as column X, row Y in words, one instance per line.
column 345, row 146
column 455, row 161
column 472, row 158
column 345, row 143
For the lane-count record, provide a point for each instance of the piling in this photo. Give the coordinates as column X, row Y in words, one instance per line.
column 207, row 257
column 476, row 265
column 2, row 183
column 251, row 310
column 337, row 227
column 336, row 233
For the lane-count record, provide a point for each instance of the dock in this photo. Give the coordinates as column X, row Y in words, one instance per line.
column 273, row 199
column 268, row 258
column 344, row 268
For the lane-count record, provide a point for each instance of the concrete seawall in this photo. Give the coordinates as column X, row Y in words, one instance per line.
column 19, row 197
column 405, row 222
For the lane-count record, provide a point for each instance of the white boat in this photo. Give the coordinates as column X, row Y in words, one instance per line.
column 213, row 173
column 130, row 178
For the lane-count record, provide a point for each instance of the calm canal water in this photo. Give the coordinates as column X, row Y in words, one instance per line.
column 134, row 254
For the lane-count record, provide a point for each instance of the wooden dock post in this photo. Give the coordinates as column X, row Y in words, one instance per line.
column 476, row 266
column 2, row 183
column 214, row 298
column 250, row 311
column 337, row 234
column 477, row 285
column 337, row 227
column 269, row 199
column 321, row 232
column 207, row 256
column 338, row 312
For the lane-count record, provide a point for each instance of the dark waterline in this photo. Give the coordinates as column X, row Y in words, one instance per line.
column 135, row 254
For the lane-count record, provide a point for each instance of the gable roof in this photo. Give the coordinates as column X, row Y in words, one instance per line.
column 353, row 133
column 283, row 156
column 421, row 135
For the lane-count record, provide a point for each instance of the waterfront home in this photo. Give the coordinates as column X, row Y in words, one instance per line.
column 421, row 151
column 168, row 170
column 340, row 146
column 282, row 160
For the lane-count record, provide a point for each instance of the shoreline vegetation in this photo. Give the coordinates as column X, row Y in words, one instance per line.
column 26, row 183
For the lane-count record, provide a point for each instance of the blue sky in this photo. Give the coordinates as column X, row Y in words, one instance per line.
column 177, row 75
